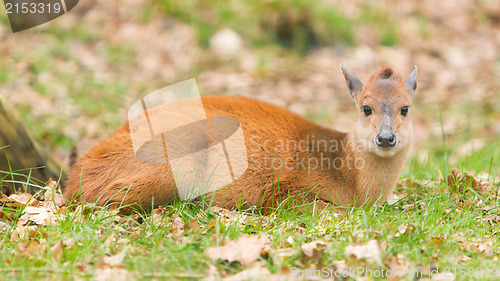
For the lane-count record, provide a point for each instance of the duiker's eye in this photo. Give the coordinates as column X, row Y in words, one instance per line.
column 404, row 110
column 367, row 110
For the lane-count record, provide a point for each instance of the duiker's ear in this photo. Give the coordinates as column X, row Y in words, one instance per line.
column 353, row 83
column 411, row 81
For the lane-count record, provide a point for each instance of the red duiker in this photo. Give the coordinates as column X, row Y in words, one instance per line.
column 289, row 157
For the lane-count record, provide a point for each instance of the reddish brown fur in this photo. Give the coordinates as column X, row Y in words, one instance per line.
column 111, row 164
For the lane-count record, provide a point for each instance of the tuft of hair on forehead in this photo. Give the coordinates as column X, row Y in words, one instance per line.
column 384, row 79
column 386, row 73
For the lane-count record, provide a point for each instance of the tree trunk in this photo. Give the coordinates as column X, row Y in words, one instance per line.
column 22, row 158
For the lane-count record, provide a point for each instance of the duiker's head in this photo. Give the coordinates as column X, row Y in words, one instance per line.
column 383, row 103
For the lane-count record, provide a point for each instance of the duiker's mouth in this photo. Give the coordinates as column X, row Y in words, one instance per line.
column 386, row 151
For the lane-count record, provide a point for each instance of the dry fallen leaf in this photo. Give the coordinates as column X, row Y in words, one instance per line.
column 397, row 264
column 24, row 199
column 117, row 259
column 57, row 250
column 408, row 183
column 484, row 247
column 107, row 273
column 369, row 251
column 53, row 196
column 255, row 273
column 110, row 240
column 69, row 243
column 31, row 248
column 280, row 255
column 231, row 218
column 21, row 232
column 405, row 229
column 192, row 225
column 9, row 207
column 176, row 226
column 38, row 215
column 3, row 225
column 312, row 249
column 51, row 183
column 463, row 258
column 159, row 216
column 246, row 249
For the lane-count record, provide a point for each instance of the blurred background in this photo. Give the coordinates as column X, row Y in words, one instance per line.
column 72, row 80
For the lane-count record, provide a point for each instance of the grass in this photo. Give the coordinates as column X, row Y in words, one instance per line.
column 431, row 225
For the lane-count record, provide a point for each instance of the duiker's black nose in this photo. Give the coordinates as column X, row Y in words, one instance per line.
column 386, row 140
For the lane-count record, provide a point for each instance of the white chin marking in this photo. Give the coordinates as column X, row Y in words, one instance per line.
column 383, row 152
